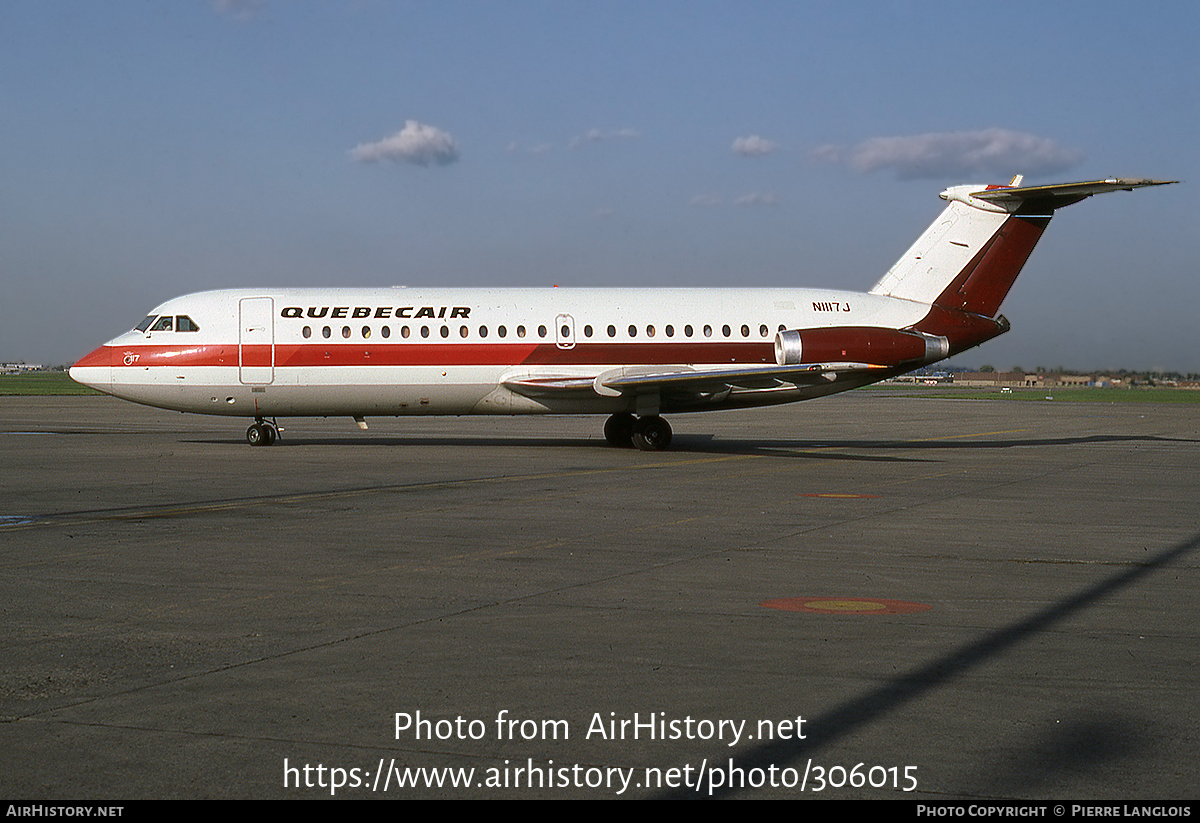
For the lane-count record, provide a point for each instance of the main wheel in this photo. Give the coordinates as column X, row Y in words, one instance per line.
column 618, row 430
column 651, row 433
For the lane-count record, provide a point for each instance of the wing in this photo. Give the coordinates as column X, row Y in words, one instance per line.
column 675, row 379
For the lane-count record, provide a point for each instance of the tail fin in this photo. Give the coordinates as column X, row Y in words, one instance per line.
column 971, row 255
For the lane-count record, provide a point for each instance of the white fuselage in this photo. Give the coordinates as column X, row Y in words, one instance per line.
column 395, row 351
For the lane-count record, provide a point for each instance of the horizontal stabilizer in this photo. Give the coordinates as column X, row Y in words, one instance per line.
column 1057, row 195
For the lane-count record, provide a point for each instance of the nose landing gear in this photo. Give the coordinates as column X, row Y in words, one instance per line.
column 262, row 433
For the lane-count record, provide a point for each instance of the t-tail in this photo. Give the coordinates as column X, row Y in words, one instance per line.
column 965, row 263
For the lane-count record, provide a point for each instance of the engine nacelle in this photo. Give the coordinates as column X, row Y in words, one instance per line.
column 859, row 344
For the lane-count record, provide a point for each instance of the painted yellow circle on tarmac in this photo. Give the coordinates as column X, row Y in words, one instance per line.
column 844, row 605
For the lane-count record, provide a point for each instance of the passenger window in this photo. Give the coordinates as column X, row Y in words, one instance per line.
column 462, row 332
column 520, row 331
column 670, row 330
column 633, row 331
column 325, row 332
column 708, row 331
column 366, row 332
column 445, row 331
column 483, row 331
column 587, row 331
column 386, row 331
column 307, row 332
column 687, row 331
column 762, row 330
column 346, row 332
column 745, row 330
column 612, row 331
column 725, row 330
column 424, row 331
column 541, row 331
column 502, row 331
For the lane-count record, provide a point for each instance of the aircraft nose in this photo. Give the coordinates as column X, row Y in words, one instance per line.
column 94, row 369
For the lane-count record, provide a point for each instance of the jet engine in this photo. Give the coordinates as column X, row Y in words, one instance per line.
column 859, row 344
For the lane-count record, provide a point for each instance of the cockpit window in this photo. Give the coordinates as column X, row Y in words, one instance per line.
column 185, row 323
column 145, row 324
column 165, row 323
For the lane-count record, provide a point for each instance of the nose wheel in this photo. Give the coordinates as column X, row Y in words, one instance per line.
column 261, row 433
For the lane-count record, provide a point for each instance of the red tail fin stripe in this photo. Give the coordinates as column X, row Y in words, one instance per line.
column 983, row 283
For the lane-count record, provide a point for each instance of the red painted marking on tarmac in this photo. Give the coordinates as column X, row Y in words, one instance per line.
column 844, row 605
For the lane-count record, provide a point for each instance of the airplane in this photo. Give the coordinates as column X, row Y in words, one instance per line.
column 633, row 354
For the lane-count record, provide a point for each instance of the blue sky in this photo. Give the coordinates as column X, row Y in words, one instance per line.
column 154, row 149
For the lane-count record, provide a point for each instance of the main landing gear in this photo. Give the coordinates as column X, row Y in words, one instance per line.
column 650, row 433
column 262, row 433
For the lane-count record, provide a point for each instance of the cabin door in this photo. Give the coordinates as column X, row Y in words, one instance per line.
column 256, row 340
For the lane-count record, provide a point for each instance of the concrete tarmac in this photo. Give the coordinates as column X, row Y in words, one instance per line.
column 869, row 595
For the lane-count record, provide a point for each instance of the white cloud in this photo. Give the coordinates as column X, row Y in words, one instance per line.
column 753, row 146
column 758, row 198
column 598, row 136
column 416, row 143
column 705, row 200
column 946, row 154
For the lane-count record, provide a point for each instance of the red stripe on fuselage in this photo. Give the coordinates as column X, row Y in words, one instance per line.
column 145, row 356
column 100, row 357
column 289, row 355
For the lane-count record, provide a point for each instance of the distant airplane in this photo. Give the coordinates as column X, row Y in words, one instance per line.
column 633, row 354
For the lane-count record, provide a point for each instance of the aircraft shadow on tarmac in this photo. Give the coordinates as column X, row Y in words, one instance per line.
column 813, row 448
column 710, row 444
column 682, row 444
column 1085, row 741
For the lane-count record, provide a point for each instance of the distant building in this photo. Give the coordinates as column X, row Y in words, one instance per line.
column 1071, row 380
column 998, row 379
column 18, row 368
column 1054, row 380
